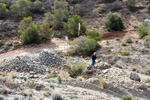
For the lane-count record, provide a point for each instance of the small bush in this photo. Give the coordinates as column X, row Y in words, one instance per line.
column 148, row 7
column 60, row 4
column 59, row 80
column 52, row 76
column 20, row 9
column 114, row 22
column 59, row 17
column 57, row 97
column 7, row 2
column 83, row 46
column 124, row 53
column 24, row 24
column 49, row 18
column 102, row 83
column 147, row 80
column 77, row 69
column 94, row 35
column 37, row 7
column 147, row 72
column 126, row 98
column 89, row 45
column 79, row 9
column 72, row 26
column 45, row 31
column 3, row 10
column 143, row 30
column 30, row 34
column 38, row 87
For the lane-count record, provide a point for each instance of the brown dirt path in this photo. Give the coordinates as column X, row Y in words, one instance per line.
column 54, row 44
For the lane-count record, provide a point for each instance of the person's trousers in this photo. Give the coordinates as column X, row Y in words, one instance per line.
column 93, row 62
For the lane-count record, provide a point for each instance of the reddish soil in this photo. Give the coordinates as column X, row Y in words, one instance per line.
column 118, row 34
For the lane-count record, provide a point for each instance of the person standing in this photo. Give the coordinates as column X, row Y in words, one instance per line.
column 93, row 59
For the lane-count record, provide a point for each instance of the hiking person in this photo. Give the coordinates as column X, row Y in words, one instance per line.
column 93, row 59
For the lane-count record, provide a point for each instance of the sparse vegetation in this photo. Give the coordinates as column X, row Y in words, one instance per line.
column 52, row 75
column 147, row 80
column 124, row 52
column 71, row 27
column 20, row 9
column 37, row 7
column 59, row 80
column 94, row 35
column 148, row 7
column 103, row 83
column 143, row 29
column 3, row 10
column 114, row 22
column 126, row 98
column 30, row 34
column 77, row 69
column 83, row 46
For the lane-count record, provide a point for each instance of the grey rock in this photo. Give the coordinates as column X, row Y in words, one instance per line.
column 93, row 81
column 135, row 77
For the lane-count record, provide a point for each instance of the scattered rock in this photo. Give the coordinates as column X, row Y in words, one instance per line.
column 103, row 65
column 135, row 77
column 128, row 39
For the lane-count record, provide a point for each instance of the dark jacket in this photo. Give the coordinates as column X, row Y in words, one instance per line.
column 93, row 57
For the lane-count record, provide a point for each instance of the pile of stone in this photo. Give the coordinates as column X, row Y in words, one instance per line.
column 46, row 58
column 37, row 64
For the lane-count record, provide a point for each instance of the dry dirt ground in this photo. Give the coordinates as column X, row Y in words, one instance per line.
column 57, row 44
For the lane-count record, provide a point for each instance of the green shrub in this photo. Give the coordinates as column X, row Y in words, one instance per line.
column 30, row 34
column 59, row 17
column 82, row 46
column 126, row 98
column 79, row 9
column 94, row 35
column 49, row 18
column 7, row 2
column 143, row 29
column 114, row 22
column 37, row 6
column 148, row 7
column 72, row 26
column 147, row 72
column 45, row 31
column 3, row 10
column 124, row 53
column 89, row 45
column 20, row 9
column 60, row 4
column 52, row 75
column 57, row 97
column 77, row 69
column 59, row 80
column 24, row 24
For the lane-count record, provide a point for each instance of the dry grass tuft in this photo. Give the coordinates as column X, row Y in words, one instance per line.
column 103, row 83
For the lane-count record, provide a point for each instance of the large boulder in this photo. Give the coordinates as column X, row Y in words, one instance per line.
column 134, row 76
